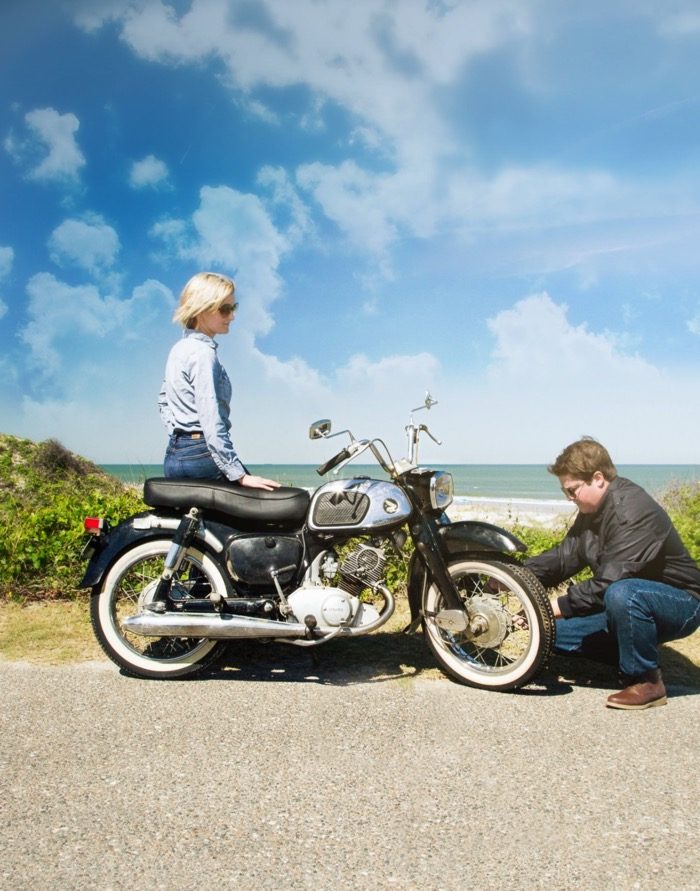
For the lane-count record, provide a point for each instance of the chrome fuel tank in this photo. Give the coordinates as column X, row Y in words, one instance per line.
column 359, row 504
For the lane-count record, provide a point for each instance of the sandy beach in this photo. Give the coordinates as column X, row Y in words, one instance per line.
column 512, row 511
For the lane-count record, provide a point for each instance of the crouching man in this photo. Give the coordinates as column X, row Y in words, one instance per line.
column 645, row 588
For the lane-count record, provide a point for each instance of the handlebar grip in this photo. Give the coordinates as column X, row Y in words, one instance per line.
column 332, row 462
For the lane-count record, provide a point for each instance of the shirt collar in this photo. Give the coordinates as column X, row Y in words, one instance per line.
column 199, row 335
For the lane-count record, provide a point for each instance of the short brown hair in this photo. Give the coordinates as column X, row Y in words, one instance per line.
column 582, row 459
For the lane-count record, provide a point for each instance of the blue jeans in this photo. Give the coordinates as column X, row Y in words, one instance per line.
column 189, row 458
column 639, row 615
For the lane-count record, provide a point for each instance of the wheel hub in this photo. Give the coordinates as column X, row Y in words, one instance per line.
column 488, row 624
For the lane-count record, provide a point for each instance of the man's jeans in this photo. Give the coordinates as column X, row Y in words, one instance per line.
column 639, row 615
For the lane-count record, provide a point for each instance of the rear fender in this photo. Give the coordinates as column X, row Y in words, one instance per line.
column 467, row 538
column 136, row 529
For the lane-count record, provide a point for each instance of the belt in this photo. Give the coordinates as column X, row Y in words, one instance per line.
column 193, row 434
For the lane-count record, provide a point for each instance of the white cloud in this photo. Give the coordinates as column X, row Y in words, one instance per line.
column 550, row 381
column 89, row 243
column 50, row 150
column 233, row 232
column 7, row 257
column 149, row 173
column 287, row 200
column 394, row 68
column 93, row 14
column 694, row 323
column 68, row 325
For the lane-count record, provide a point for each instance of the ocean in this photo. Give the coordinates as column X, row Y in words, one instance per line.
column 520, row 482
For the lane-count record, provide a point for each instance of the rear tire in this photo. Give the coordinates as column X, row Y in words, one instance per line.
column 514, row 616
column 124, row 590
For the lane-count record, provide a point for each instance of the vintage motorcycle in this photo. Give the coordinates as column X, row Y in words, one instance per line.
column 211, row 562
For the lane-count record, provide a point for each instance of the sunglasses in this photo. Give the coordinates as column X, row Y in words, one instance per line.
column 228, row 309
column 571, row 492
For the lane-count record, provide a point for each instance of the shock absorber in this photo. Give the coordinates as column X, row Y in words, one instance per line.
column 183, row 538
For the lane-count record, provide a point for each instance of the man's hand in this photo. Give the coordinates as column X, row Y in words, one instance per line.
column 554, row 602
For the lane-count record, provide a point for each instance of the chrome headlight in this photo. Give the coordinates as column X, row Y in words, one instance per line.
column 441, row 489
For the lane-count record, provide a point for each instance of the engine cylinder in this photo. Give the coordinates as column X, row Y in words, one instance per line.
column 362, row 568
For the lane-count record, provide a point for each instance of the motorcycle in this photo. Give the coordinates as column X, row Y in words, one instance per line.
column 212, row 562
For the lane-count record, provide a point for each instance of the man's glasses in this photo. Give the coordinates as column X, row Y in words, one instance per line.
column 228, row 309
column 571, row 492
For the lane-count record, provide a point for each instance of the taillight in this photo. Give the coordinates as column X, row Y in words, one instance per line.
column 93, row 525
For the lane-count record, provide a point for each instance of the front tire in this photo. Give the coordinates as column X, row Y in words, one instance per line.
column 128, row 585
column 510, row 630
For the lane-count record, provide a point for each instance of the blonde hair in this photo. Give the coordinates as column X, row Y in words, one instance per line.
column 582, row 459
column 203, row 292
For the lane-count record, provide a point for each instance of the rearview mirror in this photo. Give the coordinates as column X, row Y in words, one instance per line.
column 320, row 429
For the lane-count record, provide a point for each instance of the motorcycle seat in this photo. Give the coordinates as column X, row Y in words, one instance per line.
column 286, row 504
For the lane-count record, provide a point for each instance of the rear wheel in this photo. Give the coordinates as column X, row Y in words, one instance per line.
column 128, row 587
column 510, row 626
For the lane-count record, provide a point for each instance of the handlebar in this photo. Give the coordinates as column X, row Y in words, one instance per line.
column 342, row 455
column 350, row 451
column 356, row 447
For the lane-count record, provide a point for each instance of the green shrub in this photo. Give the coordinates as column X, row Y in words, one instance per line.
column 683, row 505
column 47, row 492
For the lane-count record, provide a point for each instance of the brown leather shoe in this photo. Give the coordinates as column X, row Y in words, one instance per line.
column 647, row 691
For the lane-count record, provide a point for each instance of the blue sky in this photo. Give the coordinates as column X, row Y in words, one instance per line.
column 497, row 200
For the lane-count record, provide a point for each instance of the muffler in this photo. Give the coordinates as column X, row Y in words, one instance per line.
column 216, row 626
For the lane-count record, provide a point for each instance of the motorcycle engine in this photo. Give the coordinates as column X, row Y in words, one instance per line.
column 333, row 606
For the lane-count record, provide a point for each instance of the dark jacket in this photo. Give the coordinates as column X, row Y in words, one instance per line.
column 629, row 536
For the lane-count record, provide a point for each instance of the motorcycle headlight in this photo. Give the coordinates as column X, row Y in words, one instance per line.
column 441, row 490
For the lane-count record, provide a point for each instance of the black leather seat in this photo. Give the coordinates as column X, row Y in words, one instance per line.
column 286, row 505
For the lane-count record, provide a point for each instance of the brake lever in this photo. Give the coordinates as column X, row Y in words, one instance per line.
column 424, row 429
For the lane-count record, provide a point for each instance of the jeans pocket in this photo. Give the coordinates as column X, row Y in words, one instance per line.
column 191, row 460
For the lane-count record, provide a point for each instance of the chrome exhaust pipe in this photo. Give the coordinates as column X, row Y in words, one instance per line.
column 216, row 626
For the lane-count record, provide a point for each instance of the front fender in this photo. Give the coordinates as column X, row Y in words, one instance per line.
column 136, row 529
column 468, row 536
column 464, row 538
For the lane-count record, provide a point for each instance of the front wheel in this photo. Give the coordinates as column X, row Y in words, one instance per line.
column 510, row 626
column 128, row 586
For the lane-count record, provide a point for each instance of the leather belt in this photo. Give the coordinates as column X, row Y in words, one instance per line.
column 193, row 434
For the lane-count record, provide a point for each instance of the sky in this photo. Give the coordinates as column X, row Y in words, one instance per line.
column 497, row 201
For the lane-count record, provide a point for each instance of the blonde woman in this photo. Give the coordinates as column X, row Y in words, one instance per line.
column 194, row 401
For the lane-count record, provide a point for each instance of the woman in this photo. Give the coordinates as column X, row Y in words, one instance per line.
column 195, row 398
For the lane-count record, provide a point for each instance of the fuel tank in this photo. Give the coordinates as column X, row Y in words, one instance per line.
column 358, row 505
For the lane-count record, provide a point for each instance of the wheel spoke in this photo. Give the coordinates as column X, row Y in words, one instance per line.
column 510, row 626
column 128, row 597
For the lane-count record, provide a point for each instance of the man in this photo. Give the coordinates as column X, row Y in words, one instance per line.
column 645, row 588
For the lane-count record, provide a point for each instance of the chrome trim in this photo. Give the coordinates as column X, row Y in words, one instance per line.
column 215, row 626
column 224, row 626
column 153, row 521
column 441, row 500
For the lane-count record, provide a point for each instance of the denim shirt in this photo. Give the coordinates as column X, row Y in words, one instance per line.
column 196, row 396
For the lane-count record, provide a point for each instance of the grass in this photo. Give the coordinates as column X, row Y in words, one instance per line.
column 47, row 633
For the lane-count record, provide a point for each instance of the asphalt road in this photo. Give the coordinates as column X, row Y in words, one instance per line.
column 316, row 777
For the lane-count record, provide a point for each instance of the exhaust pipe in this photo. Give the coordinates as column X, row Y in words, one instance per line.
column 218, row 626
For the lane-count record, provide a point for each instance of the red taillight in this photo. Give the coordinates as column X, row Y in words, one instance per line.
column 93, row 525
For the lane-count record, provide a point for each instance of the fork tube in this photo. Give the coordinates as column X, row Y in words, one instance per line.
column 429, row 546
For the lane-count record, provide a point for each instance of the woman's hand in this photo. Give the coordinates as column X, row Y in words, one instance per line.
column 257, row 482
